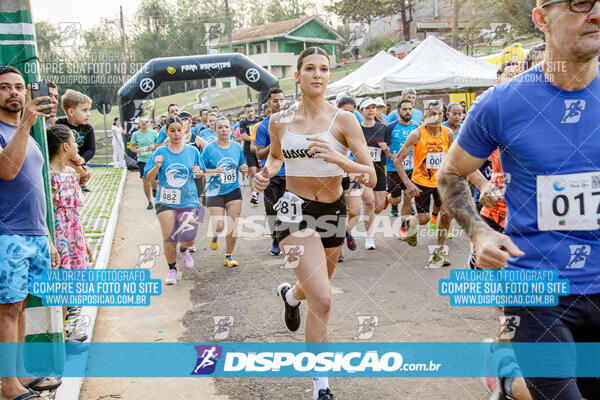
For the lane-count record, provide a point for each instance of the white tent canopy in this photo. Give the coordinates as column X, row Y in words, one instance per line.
column 376, row 65
column 431, row 65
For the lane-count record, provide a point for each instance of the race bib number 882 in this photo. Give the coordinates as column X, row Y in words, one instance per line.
column 568, row 202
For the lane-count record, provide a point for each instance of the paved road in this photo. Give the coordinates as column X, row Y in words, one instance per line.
column 389, row 283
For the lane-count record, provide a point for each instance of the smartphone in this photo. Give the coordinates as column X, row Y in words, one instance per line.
column 40, row 89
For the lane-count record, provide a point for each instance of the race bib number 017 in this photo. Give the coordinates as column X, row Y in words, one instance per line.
column 375, row 153
column 568, row 202
column 289, row 208
column 170, row 196
column 229, row 176
column 434, row 160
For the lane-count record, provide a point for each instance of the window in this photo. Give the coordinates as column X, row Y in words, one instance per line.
column 258, row 49
column 274, row 47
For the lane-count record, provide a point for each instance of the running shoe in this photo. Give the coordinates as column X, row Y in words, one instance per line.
column 394, row 211
column 76, row 337
column 171, row 277
column 440, row 259
column 254, row 199
column 433, row 222
column 370, row 243
column 325, row 394
column 449, row 236
column 350, row 243
column 275, row 250
column 340, row 258
column 192, row 249
column 188, row 261
column 214, row 243
column 291, row 315
column 230, row 262
column 411, row 235
column 496, row 362
column 84, row 188
column 402, row 233
column 149, row 206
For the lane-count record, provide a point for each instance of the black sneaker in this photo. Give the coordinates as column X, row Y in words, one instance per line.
column 149, row 207
column 275, row 250
column 254, row 199
column 291, row 315
column 85, row 188
column 325, row 394
column 394, row 211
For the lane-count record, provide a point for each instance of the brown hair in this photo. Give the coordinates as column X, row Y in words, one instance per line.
column 308, row 52
column 72, row 98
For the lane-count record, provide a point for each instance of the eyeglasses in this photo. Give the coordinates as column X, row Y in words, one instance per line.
column 576, row 6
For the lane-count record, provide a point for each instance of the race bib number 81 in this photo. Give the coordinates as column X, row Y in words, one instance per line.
column 289, row 208
column 568, row 202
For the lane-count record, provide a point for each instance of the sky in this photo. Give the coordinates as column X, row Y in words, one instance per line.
column 86, row 12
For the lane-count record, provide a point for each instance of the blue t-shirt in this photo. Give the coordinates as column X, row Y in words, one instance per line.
column 359, row 116
column 396, row 134
column 417, row 117
column 175, row 176
column 23, row 205
column 208, row 135
column 229, row 160
column 263, row 139
column 542, row 130
column 195, row 130
column 162, row 135
column 445, row 123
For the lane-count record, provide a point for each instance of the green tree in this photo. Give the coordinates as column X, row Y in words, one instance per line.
column 46, row 37
column 281, row 10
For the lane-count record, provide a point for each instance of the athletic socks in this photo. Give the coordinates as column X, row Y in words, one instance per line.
column 291, row 300
column 172, row 266
column 319, row 383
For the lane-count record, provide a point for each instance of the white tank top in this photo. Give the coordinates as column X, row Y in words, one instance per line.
column 299, row 163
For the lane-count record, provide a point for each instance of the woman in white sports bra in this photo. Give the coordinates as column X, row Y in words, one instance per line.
column 313, row 140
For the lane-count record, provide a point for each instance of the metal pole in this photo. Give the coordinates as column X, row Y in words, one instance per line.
column 105, row 134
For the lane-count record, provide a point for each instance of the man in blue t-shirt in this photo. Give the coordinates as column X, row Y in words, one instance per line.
column 173, row 110
column 25, row 249
column 396, row 134
column 545, row 124
column 276, row 188
column 455, row 117
column 417, row 115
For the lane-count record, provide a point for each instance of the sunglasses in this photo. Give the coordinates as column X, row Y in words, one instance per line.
column 576, row 6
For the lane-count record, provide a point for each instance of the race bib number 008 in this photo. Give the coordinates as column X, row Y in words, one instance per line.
column 170, row 196
column 375, row 153
column 434, row 160
column 568, row 202
column 289, row 208
column 229, row 176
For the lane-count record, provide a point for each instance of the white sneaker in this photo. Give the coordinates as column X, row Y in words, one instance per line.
column 370, row 243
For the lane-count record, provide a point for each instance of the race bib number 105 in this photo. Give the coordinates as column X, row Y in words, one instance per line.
column 568, row 202
column 229, row 176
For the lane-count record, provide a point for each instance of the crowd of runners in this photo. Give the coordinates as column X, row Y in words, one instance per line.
column 325, row 166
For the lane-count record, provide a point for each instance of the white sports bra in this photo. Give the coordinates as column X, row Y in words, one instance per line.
column 299, row 163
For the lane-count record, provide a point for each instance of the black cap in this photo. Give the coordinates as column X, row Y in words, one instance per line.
column 185, row 115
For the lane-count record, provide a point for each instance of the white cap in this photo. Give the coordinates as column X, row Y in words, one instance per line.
column 339, row 96
column 379, row 102
column 366, row 103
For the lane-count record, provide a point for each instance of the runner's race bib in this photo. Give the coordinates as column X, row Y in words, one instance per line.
column 145, row 150
column 228, row 176
column 568, row 202
column 170, row 196
column 289, row 208
column 375, row 153
column 408, row 163
column 434, row 160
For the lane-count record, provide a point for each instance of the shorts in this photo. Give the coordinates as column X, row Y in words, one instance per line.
column 394, row 184
column 327, row 219
column 222, row 199
column 186, row 224
column 251, row 160
column 23, row 258
column 349, row 184
column 141, row 167
column 576, row 318
column 423, row 202
column 381, row 182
